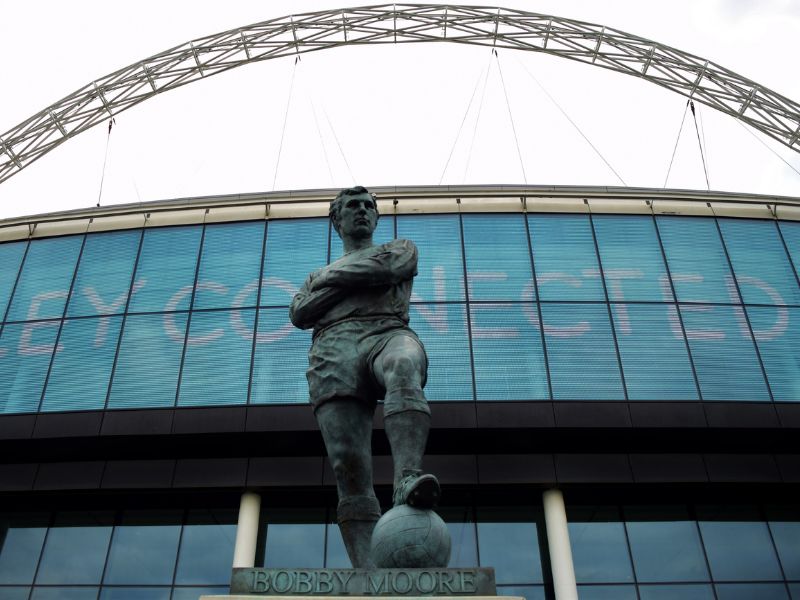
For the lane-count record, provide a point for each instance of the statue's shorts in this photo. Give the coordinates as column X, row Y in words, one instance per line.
column 341, row 362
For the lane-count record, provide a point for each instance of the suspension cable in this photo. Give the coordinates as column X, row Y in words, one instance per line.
column 321, row 140
column 703, row 135
column 575, row 125
column 319, row 129
column 461, row 127
column 477, row 120
column 338, row 144
column 760, row 141
column 675, row 149
column 510, row 115
column 111, row 122
column 285, row 119
column 700, row 144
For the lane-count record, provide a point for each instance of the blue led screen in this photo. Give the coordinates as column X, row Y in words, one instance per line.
column 229, row 265
column 166, row 269
column 45, row 280
column 698, row 267
column 103, row 280
column 498, row 260
column 10, row 259
column 441, row 258
column 509, row 307
column 633, row 265
column 294, row 248
column 565, row 257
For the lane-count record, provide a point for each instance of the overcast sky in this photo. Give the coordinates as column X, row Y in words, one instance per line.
column 395, row 110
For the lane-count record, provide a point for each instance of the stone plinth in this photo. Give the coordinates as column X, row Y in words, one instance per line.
column 252, row 597
column 384, row 583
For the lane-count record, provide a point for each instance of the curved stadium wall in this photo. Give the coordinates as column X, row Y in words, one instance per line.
column 622, row 307
column 635, row 347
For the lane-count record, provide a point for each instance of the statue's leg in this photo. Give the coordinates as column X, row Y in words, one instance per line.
column 346, row 426
column 401, row 369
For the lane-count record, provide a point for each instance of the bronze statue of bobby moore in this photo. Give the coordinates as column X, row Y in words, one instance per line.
column 364, row 350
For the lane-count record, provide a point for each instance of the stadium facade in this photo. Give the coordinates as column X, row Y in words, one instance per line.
column 636, row 349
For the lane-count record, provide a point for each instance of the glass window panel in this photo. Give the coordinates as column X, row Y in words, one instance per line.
column 383, row 233
column 631, row 256
column 143, row 548
column 75, row 550
column 193, row 593
column 786, row 535
column 294, row 537
column 463, row 543
column 529, row 592
column 134, row 593
column 14, row 593
column 167, row 264
column 149, row 360
column 794, row 589
column 565, row 257
column 441, row 266
column 64, row 593
column 600, row 552
column 751, row 591
column 580, row 351
column 230, row 264
column 281, row 360
column 508, row 541
column 10, row 260
column 295, row 247
column 498, row 259
column 607, row 592
column 509, row 360
column 206, row 552
column 653, row 352
column 676, row 592
column 21, row 538
column 443, row 330
column 724, row 355
column 103, row 280
column 216, row 369
column 696, row 258
column 599, row 548
column 25, row 351
column 777, row 333
column 43, row 286
column 665, row 545
column 739, row 550
column 82, row 367
column 336, row 556
column 759, row 261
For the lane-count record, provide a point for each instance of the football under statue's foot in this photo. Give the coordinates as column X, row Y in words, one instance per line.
column 420, row 490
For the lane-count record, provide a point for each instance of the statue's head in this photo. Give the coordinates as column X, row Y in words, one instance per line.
column 359, row 198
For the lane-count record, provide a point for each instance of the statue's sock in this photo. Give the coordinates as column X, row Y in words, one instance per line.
column 357, row 516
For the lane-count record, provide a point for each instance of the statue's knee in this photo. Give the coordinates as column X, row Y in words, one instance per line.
column 398, row 363
column 402, row 370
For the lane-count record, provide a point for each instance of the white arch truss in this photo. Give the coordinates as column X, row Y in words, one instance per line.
column 702, row 80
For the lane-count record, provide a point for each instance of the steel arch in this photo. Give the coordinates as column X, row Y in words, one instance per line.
column 707, row 82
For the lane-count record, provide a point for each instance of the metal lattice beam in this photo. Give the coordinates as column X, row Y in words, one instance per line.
column 681, row 72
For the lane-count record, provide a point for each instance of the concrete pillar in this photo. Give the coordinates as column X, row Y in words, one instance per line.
column 244, row 550
column 555, row 517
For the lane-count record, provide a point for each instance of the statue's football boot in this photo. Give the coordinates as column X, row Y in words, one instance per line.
column 417, row 489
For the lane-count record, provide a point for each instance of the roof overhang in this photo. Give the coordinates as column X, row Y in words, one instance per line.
column 405, row 200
